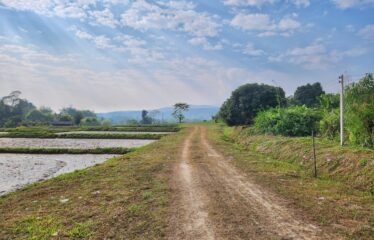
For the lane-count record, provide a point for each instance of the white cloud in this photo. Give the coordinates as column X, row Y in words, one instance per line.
column 179, row 16
column 103, row 42
column 83, row 35
column 256, row 3
column 367, row 32
column 259, row 3
column 288, row 23
column 104, row 17
column 80, row 9
column 193, row 80
column 336, row 56
column 352, row 3
column 202, row 41
column 252, row 51
column 130, row 41
column 316, row 56
column 254, row 21
column 265, row 25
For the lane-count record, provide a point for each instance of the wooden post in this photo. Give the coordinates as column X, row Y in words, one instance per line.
column 314, row 155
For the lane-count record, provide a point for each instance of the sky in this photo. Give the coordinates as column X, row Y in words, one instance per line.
column 111, row 55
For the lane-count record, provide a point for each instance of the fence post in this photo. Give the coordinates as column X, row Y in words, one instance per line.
column 314, row 155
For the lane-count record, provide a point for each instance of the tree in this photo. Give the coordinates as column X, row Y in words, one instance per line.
column 145, row 118
column 64, row 117
column 77, row 117
column 90, row 121
column 179, row 109
column 247, row 100
column 308, row 94
column 13, row 109
column 37, row 116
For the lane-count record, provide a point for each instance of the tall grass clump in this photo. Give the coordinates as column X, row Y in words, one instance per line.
column 360, row 111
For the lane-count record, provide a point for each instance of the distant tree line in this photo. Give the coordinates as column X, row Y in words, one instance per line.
column 15, row 111
column 266, row 109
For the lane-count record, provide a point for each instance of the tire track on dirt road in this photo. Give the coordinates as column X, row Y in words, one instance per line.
column 191, row 216
column 271, row 213
column 215, row 200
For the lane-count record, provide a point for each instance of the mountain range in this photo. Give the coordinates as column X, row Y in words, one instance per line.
column 196, row 113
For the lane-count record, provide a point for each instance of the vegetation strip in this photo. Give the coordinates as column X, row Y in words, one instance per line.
column 118, row 150
column 124, row 198
column 340, row 199
column 81, row 136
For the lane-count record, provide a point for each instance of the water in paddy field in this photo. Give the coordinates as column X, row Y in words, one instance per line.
column 71, row 143
column 18, row 170
column 110, row 132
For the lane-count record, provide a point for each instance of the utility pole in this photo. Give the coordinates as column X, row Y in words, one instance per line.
column 341, row 81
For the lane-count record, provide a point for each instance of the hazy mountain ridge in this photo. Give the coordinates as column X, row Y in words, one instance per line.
column 194, row 114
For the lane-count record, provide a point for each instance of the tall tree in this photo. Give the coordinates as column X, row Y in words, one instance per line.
column 179, row 109
column 145, row 118
column 308, row 94
column 247, row 100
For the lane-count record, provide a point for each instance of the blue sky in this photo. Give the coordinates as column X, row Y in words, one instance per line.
column 119, row 54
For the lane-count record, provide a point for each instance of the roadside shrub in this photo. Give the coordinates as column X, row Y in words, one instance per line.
column 360, row 111
column 329, row 125
column 292, row 121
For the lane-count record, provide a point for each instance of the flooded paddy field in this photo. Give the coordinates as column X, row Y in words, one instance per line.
column 71, row 143
column 110, row 132
column 18, row 170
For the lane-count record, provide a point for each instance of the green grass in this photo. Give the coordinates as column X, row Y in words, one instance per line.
column 111, row 136
column 126, row 197
column 116, row 150
column 341, row 195
column 43, row 134
column 50, row 132
column 135, row 128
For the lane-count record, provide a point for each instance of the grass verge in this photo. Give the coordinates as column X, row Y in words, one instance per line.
column 340, row 199
column 123, row 198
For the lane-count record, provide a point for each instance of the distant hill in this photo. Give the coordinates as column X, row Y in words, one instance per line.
column 196, row 113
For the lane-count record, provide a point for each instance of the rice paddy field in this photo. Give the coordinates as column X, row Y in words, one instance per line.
column 71, row 143
column 18, row 170
column 109, row 132
column 24, row 160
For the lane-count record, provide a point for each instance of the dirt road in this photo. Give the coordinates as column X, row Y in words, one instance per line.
column 215, row 200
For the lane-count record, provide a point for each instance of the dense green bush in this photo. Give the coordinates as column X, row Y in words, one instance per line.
column 247, row 100
column 360, row 111
column 329, row 125
column 292, row 121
